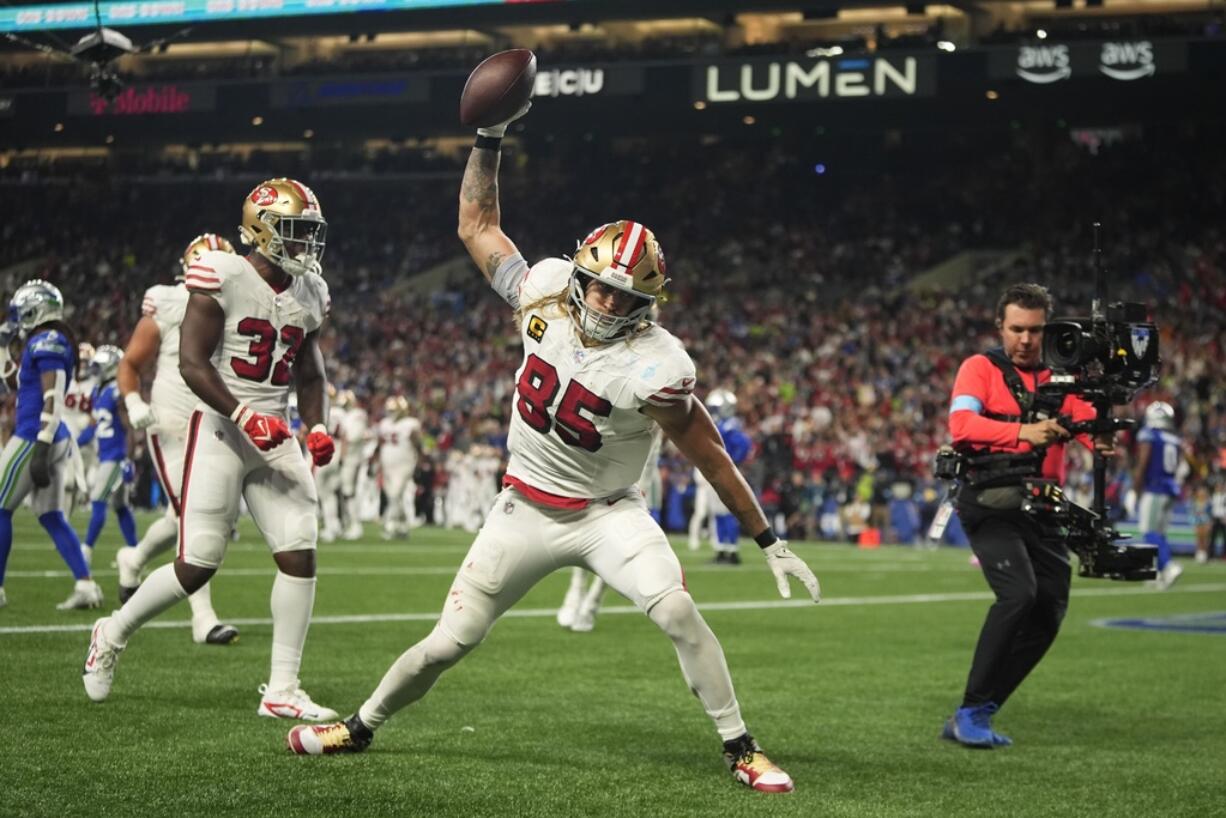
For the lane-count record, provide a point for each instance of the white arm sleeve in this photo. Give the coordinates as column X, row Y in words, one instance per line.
column 51, row 420
column 507, row 278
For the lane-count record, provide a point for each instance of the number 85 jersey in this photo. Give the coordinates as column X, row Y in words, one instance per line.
column 264, row 328
column 576, row 429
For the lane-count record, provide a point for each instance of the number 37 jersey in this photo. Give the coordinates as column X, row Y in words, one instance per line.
column 264, row 328
column 576, row 429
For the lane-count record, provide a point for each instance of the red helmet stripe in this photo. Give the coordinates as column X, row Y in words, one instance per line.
column 307, row 197
column 631, row 247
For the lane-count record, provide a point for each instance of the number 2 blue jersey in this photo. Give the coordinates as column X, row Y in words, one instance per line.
column 1164, row 453
column 109, row 431
column 46, row 351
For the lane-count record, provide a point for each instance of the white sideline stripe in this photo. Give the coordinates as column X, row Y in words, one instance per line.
column 747, row 605
column 435, row 570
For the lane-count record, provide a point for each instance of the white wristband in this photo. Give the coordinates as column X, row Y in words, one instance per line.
column 47, row 434
column 134, row 402
column 319, row 428
column 240, row 414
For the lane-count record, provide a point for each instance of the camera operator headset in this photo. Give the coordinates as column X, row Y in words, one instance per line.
column 1007, row 432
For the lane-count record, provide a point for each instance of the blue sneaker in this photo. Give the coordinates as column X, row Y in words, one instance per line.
column 971, row 727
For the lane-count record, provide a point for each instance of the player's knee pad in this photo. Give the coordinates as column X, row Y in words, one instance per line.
column 677, row 615
column 440, row 651
column 301, row 533
column 468, row 614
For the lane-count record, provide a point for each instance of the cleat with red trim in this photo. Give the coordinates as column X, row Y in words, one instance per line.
column 99, row 669
column 750, row 766
column 292, row 703
column 348, row 736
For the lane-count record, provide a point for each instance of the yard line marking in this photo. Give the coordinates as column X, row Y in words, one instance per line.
column 432, row 570
column 747, row 605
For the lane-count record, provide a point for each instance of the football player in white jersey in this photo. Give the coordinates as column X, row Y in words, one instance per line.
column 354, row 431
column 155, row 345
column 78, row 414
column 328, row 476
column 399, row 449
column 249, row 335
column 596, row 380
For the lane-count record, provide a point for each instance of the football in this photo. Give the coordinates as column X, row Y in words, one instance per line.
column 497, row 88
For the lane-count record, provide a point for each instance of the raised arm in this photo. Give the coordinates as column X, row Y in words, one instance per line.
column 480, row 225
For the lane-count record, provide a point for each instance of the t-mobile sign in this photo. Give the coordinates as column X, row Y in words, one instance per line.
column 149, row 99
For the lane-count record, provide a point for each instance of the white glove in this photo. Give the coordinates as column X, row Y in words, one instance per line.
column 500, row 130
column 1130, row 503
column 140, row 414
column 783, row 564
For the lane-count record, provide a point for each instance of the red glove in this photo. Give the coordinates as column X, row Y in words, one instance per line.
column 265, row 431
column 320, row 445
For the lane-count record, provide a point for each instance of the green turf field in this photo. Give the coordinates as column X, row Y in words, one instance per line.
column 848, row 696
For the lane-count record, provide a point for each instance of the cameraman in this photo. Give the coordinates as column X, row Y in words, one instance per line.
column 996, row 413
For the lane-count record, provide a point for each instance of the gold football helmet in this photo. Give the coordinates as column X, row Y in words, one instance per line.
column 283, row 221
column 200, row 245
column 625, row 255
column 346, row 399
column 396, row 406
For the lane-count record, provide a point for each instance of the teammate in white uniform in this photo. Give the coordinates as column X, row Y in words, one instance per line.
column 595, row 381
column 399, row 449
column 328, row 476
column 78, row 414
column 354, row 430
column 155, row 343
column 249, row 332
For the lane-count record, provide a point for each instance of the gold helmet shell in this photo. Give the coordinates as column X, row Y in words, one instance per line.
column 346, row 399
column 200, row 245
column 623, row 254
column 283, row 221
column 396, row 405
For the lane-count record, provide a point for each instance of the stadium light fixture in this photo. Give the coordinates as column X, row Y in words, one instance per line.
column 992, row 95
column 257, row 121
column 700, row 105
column 946, row 45
column 1041, row 34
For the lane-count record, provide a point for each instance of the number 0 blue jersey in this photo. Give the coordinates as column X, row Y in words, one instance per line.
column 1165, row 451
column 109, row 430
column 46, row 351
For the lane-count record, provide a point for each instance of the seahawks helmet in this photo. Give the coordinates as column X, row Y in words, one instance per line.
column 105, row 364
column 721, row 403
column 36, row 302
column 1160, row 415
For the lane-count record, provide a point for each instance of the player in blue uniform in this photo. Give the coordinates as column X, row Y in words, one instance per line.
column 113, row 477
column 36, row 457
column 1159, row 453
column 722, row 405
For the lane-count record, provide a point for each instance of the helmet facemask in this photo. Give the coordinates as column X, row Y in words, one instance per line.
column 600, row 326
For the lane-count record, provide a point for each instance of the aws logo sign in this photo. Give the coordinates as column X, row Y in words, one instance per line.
column 1127, row 61
column 1043, row 64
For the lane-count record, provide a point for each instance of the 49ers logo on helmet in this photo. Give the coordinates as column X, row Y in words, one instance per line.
column 595, row 234
column 263, row 196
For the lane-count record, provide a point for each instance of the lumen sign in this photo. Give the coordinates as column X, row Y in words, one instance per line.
column 1122, row 60
column 809, row 80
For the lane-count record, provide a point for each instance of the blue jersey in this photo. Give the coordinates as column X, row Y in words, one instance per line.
column 46, row 351
column 735, row 440
column 109, row 431
column 1164, row 453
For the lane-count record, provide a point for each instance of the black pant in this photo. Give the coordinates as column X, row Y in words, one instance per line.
column 1030, row 576
column 1219, row 527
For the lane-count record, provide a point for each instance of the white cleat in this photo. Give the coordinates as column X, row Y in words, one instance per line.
column 1168, row 575
column 585, row 620
column 570, row 608
column 99, row 671
column 353, row 532
column 4, row 600
column 328, row 535
column 85, row 594
column 292, row 703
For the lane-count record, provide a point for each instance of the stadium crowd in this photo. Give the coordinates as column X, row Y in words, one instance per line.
column 790, row 284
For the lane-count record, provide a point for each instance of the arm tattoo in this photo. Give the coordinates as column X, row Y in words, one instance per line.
column 493, row 263
column 480, row 185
